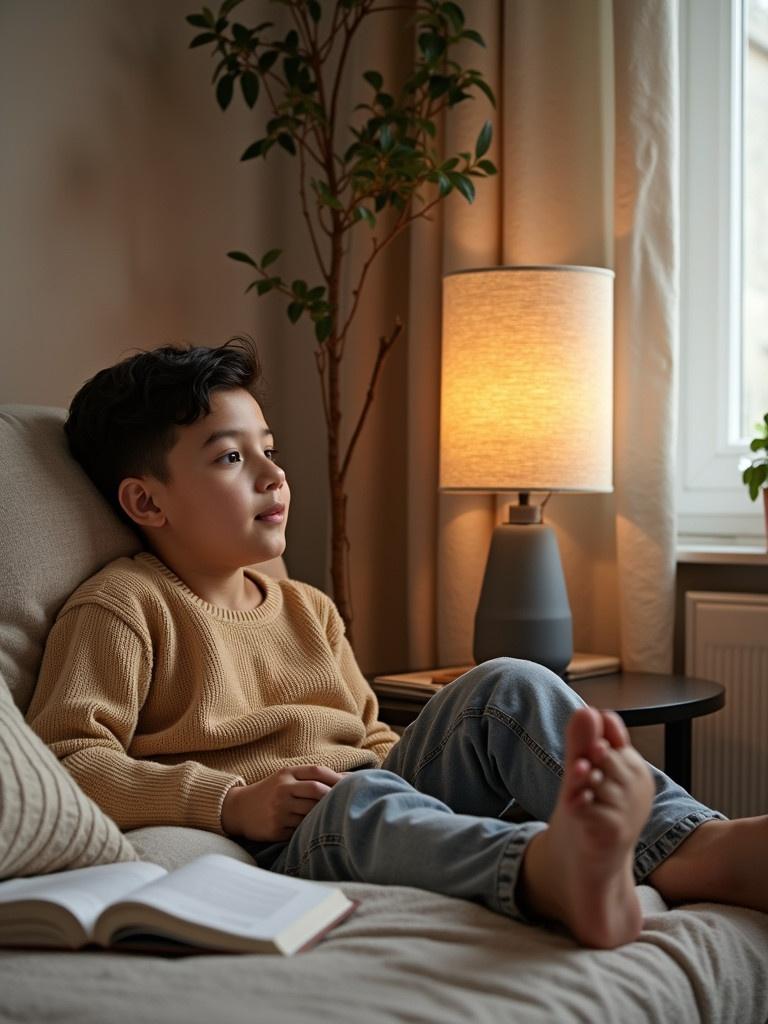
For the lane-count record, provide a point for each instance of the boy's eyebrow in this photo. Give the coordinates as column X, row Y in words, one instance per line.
column 232, row 432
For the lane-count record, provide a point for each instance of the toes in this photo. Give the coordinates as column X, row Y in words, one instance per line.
column 614, row 730
column 585, row 729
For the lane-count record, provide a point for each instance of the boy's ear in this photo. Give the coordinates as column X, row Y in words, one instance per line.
column 137, row 502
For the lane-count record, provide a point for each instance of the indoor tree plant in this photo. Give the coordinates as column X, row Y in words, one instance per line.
column 755, row 472
column 378, row 174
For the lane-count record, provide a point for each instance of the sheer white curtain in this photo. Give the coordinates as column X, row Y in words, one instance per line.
column 587, row 151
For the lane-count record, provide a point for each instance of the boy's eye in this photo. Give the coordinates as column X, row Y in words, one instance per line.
column 271, row 453
column 231, row 458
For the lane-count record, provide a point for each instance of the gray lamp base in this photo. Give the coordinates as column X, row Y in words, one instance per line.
column 523, row 610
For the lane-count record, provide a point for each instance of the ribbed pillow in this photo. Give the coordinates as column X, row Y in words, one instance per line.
column 47, row 823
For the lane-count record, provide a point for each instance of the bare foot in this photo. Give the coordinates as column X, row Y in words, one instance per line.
column 721, row 861
column 579, row 870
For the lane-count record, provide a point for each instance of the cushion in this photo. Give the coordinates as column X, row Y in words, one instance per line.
column 173, row 846
column 57, row 530
column 47, row 823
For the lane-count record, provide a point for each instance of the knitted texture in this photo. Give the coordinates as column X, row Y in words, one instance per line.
column 158, row 702
column 46, row 822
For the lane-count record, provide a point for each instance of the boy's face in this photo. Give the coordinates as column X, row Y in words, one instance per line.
column 225, row 504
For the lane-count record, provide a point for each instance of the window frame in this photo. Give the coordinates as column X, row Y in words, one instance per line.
column 712, row 502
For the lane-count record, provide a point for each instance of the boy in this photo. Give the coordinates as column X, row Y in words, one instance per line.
column 184, row 687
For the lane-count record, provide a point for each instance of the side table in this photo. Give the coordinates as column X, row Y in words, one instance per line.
column 641, row 698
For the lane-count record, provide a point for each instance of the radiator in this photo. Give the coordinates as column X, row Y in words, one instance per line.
column 726, row 639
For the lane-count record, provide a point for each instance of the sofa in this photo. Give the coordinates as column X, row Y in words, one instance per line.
column 404, row 955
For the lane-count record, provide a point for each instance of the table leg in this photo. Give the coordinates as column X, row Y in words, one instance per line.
column 677, row 752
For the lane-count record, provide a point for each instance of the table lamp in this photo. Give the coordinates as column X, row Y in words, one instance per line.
column 526, row 406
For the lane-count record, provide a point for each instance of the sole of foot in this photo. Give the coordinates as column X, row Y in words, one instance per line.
column 579, row 871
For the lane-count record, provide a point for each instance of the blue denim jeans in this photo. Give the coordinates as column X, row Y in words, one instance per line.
column 443, row 812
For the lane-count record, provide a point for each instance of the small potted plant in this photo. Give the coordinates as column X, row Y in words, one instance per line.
column 755, row 470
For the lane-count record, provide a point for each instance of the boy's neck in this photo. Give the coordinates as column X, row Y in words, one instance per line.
column 231, row 589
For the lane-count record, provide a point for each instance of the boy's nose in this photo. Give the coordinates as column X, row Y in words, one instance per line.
column 272, row 478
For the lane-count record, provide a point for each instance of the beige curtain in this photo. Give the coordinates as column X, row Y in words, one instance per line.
column 586, row 145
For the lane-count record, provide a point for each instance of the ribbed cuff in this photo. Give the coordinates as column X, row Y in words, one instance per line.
column 206, row 798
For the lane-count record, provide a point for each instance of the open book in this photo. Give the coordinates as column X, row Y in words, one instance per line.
column 215, row 903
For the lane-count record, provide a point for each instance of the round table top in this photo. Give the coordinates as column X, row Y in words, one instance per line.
column 651, row 698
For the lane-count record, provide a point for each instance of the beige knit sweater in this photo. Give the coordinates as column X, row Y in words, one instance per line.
column 158, row 702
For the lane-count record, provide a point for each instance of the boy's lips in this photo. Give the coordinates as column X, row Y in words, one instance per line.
column 273, row 514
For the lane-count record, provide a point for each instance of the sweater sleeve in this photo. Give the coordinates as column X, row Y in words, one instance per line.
column 93, row 681
column 379, row 738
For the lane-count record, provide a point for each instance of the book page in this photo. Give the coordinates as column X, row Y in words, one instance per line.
column 84, row 892
column 220, row 892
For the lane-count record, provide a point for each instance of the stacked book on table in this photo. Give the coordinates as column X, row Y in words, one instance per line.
column 427, row 682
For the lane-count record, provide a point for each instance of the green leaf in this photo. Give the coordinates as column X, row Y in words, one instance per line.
column 198, row 20
column 323, row 328
column 455, row 14
column 299, row 288
column 758, row 443
column 487, row 166
column 295, row 309
column 286, row 141
column 242, row 257
column 431, row 45
column 474, row 36
column 484, row 140
column 316, row 293
column 444, row 184
column 224, row 91
column 202, row 39
column 438, row 86
column 484, row 87
column 257, row 148
column 385, row 137
column 270, row 257
column 291, row 41
column 464, row 185
column 229, row 5
column 249, row 84
column 267, row 59
column 315, row 10
column 262, row 287
column 241, row 34
column 363, row 213
column 374, row 79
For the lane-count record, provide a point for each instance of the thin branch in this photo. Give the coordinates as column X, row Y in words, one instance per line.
column 321, row 359
column 308, row 218
column 400, row 225
column 385, row 344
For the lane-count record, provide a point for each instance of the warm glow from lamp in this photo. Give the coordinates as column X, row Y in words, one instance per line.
column 526, row 405
column 527, row 386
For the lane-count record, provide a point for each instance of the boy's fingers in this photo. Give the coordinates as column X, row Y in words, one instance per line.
column 316, row 772
column 309, row 790
column 302, row 806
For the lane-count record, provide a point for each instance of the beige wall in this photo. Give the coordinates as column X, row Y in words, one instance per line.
column 121, row 192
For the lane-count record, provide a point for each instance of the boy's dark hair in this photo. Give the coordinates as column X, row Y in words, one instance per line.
column 122, row 422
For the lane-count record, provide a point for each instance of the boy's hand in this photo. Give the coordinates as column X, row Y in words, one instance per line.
column 270, row 810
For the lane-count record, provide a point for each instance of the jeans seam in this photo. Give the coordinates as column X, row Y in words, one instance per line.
column 649, row 856
column 507, row 720
column 325, row 839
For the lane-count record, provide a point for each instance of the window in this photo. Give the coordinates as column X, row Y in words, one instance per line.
column 724, row 263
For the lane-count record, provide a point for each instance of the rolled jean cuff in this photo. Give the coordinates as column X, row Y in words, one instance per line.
column 648, row 858
column 509, row 869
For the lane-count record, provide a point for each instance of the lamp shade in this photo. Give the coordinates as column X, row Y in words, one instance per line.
column 527, row 379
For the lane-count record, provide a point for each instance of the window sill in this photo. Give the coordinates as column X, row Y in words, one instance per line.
column 722, row 554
